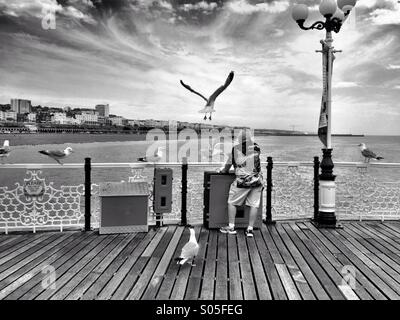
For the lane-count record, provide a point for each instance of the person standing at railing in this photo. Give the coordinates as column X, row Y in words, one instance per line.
column 248, row 184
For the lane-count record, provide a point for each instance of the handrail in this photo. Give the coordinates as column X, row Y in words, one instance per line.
column 178, row 164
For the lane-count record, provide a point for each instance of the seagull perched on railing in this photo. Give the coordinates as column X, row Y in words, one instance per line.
column 57, row 155
column 189, row 250
column 156, row 157
column 368, row 154
column 209, row 108
column 5, row 150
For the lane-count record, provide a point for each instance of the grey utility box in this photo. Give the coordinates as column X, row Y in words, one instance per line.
column 216, row 192
column 162, row 194
column 124, row 207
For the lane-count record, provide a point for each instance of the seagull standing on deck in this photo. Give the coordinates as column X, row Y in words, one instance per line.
column 368, row 154
column 209, row 108
column 5, row 150
column 57, row 155
column 189, row 250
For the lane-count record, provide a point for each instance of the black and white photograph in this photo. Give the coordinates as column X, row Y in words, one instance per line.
column 199, row 157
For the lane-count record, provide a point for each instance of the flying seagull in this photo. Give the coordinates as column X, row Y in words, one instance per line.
column 209, row 108
column 368, row 154
column 156, row 157
column 57, row 154
column 189, row 250
column 5, row 150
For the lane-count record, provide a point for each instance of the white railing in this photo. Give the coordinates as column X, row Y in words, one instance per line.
column 364, row 191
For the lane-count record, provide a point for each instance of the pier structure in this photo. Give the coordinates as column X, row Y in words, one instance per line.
column 289, row 258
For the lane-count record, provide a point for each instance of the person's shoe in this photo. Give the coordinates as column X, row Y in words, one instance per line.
column 227, row 229
column 249, row 233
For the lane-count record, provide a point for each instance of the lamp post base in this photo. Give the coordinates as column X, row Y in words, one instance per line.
column 326, row 217
column 327, row 220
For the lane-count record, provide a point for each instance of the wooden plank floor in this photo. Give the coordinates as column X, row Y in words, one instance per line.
column 286, row 261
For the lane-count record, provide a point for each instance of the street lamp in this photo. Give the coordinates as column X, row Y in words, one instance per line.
column 335, row 13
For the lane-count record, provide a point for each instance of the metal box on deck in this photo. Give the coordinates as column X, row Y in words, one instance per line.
column 216, row 191
column 124, row 207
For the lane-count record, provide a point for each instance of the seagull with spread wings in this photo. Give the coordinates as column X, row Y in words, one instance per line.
column 209, row 108
column 368, row 154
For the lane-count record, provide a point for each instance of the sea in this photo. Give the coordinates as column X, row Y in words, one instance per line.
column 114, row 148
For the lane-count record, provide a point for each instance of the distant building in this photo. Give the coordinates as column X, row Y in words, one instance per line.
column 89, row 111
column 133, row 123
column 117, row 121
column 43, row 116
column 103, row 110
column 62, row 118
column 21, row 106
column 22, row 117
column 31, row 117
column 104, row 121
column 156, row 123
column 8, row 116
column 86, row 118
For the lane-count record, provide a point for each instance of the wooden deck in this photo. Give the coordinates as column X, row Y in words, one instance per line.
column 290, row 260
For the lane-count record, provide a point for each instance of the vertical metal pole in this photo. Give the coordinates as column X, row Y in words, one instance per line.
column 270, row 165
column 184, row 192
column 329, row 41
column 316, row 187
column 88, row 194
column 326, row 217
column 158, row 215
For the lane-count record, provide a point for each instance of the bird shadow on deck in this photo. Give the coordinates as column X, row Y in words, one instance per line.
column 286, row 261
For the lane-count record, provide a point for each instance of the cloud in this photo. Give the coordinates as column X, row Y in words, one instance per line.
column 135, row 55
column 71, row 9
column 386, row 16
column 154, row 4
column 202, row 5
column 17, row 8
column 244, row 7
column 393, row 67
column 346, row 84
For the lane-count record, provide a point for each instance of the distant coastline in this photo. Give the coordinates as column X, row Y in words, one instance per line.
column 277, row 132
column 17, row 139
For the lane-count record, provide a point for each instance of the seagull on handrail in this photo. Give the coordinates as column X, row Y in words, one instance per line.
column 5, row 150
column 209, row 108
column 57, row 155
column 189, row 250
column 368, row 154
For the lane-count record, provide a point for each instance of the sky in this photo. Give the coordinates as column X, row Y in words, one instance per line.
column 132, row 54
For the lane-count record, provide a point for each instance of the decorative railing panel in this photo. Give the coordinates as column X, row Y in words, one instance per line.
column 292, row 192
column 362, row 194
column 38, row 204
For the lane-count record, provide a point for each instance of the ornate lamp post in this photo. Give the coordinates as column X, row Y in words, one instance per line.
column 335, row 14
